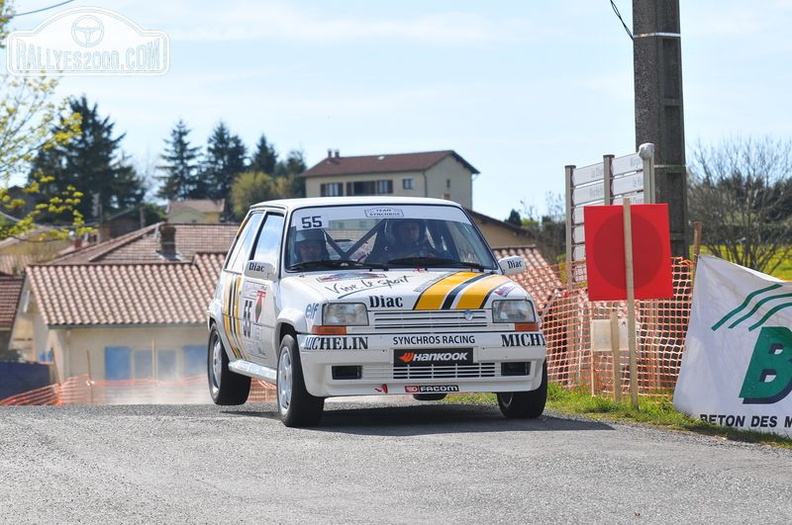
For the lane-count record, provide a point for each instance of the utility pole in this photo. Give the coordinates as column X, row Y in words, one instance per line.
column 659, row 115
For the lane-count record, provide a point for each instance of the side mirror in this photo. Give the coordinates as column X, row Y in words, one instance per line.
column 260, row 270
column 512, row 265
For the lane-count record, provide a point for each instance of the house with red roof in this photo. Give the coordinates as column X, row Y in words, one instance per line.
column 440, row 174
column 133, row 307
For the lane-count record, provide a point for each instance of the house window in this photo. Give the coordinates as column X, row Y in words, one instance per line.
column 407, row 184
column 142, row 364
column 331, row 189
column 360, row 188
column 167, row 365
column 384, row 187
column 194, row 360
column 369, row 187
column 122, row 362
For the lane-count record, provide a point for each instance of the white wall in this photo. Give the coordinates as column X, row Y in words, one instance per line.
column 450, row 177
column 85, row 347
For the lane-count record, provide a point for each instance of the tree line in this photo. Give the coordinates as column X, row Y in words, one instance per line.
column 92, row 162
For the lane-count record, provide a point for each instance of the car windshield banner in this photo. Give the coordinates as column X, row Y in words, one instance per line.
column 737, row 367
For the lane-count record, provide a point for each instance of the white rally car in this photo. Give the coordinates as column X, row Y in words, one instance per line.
column 371, row 296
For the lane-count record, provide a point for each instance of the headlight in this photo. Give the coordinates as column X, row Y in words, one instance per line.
column 513, row 312
column 345, row 314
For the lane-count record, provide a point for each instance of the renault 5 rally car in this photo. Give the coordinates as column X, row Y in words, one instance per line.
column 350, row 296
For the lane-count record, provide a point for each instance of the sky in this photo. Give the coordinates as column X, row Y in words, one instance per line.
column 519, row 89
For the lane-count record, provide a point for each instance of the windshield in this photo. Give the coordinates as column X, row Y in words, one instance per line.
column 385, row 236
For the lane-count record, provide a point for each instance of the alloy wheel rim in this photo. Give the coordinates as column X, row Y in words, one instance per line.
column 217, row 363
column 284, row 380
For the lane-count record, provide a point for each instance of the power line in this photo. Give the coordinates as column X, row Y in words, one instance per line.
column 618, row 14
column 42, row 9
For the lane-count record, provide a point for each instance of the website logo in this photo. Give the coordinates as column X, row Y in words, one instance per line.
column 88, row 41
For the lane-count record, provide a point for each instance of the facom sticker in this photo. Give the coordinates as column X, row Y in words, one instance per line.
column 431, row 389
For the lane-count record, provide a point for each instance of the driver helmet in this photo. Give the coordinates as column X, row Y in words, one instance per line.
column 312, row 236
column 397, row 225
column 309, row 235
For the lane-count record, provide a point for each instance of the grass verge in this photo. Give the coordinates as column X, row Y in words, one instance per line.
column 656, row 412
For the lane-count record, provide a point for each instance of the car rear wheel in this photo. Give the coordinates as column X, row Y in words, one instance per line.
column 225, row 386
column 529, row 404
column 296, row 406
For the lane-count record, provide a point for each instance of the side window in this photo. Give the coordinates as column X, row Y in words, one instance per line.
column 244, row 242
column 269, row 241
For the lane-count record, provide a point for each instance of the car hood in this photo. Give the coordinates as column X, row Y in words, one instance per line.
column 411, row 289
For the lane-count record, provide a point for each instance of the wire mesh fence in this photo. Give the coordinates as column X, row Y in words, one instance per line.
column 81, row 390
column 580, row 338
column 580, row 333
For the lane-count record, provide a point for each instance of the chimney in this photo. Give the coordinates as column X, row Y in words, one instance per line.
column 337, row 153
column 167, row 234
column 329, row 154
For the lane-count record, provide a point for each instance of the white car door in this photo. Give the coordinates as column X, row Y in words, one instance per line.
column 258, row 298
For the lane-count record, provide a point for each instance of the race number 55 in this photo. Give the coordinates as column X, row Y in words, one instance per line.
column 313, row 221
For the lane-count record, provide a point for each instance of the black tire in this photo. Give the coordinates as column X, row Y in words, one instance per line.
column 428, row 397
column 225, row 386
column 523, row 405
column 296, row 406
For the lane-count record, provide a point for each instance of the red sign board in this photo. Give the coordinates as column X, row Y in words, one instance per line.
column 605, row 262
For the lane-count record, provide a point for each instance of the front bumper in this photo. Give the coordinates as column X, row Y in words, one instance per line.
column 436, row 363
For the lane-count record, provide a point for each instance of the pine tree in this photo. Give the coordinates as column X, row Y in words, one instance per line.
column 514, row 218
column 265, row 157
column 291, row 168
column 181, row 179
column 92, row 163
column 225, row 159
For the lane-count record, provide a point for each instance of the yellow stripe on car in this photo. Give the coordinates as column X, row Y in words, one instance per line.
column 432, row 298
column 476, row 294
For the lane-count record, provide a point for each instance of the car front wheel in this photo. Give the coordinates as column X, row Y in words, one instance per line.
column 296, row 406
column 529, row 404
column 225, row 386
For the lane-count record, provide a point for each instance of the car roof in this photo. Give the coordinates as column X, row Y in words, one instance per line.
column 293, row 204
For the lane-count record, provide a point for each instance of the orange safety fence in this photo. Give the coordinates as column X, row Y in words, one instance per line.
column 80, row 390
column 577, row 331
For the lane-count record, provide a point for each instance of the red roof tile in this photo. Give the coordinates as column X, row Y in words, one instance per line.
column 125, row 294
column 10, row 290
column 145, row 245
column 14, row 264
column 399, row 162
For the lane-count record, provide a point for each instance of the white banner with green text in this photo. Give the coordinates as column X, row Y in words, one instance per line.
column 737, row 366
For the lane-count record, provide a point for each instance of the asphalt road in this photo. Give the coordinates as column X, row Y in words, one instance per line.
column 373, row 462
